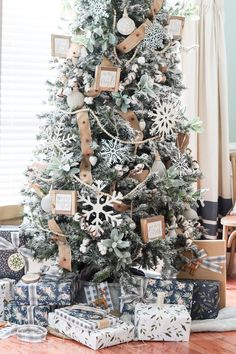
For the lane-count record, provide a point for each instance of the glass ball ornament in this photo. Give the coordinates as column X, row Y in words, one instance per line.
column 125, row 25
column 46, row 203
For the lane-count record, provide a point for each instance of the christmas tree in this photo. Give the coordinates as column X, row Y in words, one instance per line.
column 112, row 183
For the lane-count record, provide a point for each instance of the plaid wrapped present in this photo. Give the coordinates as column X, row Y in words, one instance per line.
column 95, row 339
column 22, row 315
column 86, row 317
column 6, row 294
column 95, row 292
column 60, row 293
column 13, row 254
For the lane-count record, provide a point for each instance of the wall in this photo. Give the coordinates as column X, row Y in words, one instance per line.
column 230, row 33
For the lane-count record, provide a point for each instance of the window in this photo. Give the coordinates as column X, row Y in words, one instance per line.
column 26, row 46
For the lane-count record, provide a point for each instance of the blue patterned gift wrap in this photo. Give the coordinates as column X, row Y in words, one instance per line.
column 7, row 234
column 37, row 315
column 176, row 292
column 60, row 293
column 206, row 297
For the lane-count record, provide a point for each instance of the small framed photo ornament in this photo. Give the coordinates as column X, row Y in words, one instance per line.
column 176, row 26
column 60, row 45
column 64, row 202
column 107, row 77
column 153, row 228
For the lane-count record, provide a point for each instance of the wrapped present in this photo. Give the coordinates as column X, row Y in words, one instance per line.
column 133, row 292
column 60, row 293
column 99, row 294
column 87, row 317
column 6, row 294
column 37, row 315
column 210, row 265
column 13, row 255
column 94, row 339
column 206, row 297
column 171, row 323
column 176, row 292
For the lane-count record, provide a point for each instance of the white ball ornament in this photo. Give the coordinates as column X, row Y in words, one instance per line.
column 46, row 203
column 126, row 25
column 75, row 100
column 93, row 160
column 142, row 124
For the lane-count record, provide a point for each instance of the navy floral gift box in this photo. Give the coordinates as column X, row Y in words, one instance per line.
column 206, row 297
column 176, row 292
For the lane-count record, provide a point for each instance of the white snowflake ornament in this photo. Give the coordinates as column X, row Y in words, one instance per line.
column 114, row 152
column 180, row 164
column 165, row 115
column 98, row 208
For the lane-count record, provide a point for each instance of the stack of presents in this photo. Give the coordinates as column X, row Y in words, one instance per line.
column 103, row 315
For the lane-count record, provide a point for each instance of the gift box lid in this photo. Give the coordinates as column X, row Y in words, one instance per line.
column 86, row 316
column 151, row 311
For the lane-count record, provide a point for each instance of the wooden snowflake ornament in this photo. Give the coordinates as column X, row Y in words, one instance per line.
column 165, row 115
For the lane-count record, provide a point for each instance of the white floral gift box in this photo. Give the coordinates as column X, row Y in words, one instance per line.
column 94, row 339
column 171, row 323
column 6, row 294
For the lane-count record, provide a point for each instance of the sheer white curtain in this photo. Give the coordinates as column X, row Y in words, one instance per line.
column 26, row 29
column 206, row 76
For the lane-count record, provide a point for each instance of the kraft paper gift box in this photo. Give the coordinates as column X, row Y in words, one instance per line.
column 6, row 294
column 21, row 315
column 60, row 293
column 94, row 339
column 86, row 317
column 171, row 323
column 213, row 248
column 13, row 254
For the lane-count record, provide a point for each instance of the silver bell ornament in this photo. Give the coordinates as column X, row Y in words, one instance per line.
column 126, row 25
column 75, row 100
column 158, row 166
column 46, row 203
column 190, row 214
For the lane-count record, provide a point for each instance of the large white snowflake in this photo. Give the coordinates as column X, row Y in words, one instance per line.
column 180, row 163
column 99, row 209
column 114, row 152
column 165, row 115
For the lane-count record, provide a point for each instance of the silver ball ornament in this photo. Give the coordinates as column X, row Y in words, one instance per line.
column 46, row 203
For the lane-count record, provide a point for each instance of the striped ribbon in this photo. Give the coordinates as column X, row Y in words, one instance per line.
column 31, row 333
column 212, row 263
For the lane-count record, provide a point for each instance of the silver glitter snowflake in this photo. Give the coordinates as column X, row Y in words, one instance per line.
column 180, row 164
column 165, row 115
column 100, row 209
column 114, row 152
column 98, row 9
column 155, row 36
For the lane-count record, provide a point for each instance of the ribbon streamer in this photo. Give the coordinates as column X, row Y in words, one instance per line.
column 212, row 263
column 15, row 245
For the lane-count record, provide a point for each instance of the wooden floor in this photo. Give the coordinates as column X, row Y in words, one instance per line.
column 200, row 343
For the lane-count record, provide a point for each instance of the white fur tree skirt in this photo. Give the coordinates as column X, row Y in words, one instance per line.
column 225, row 322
